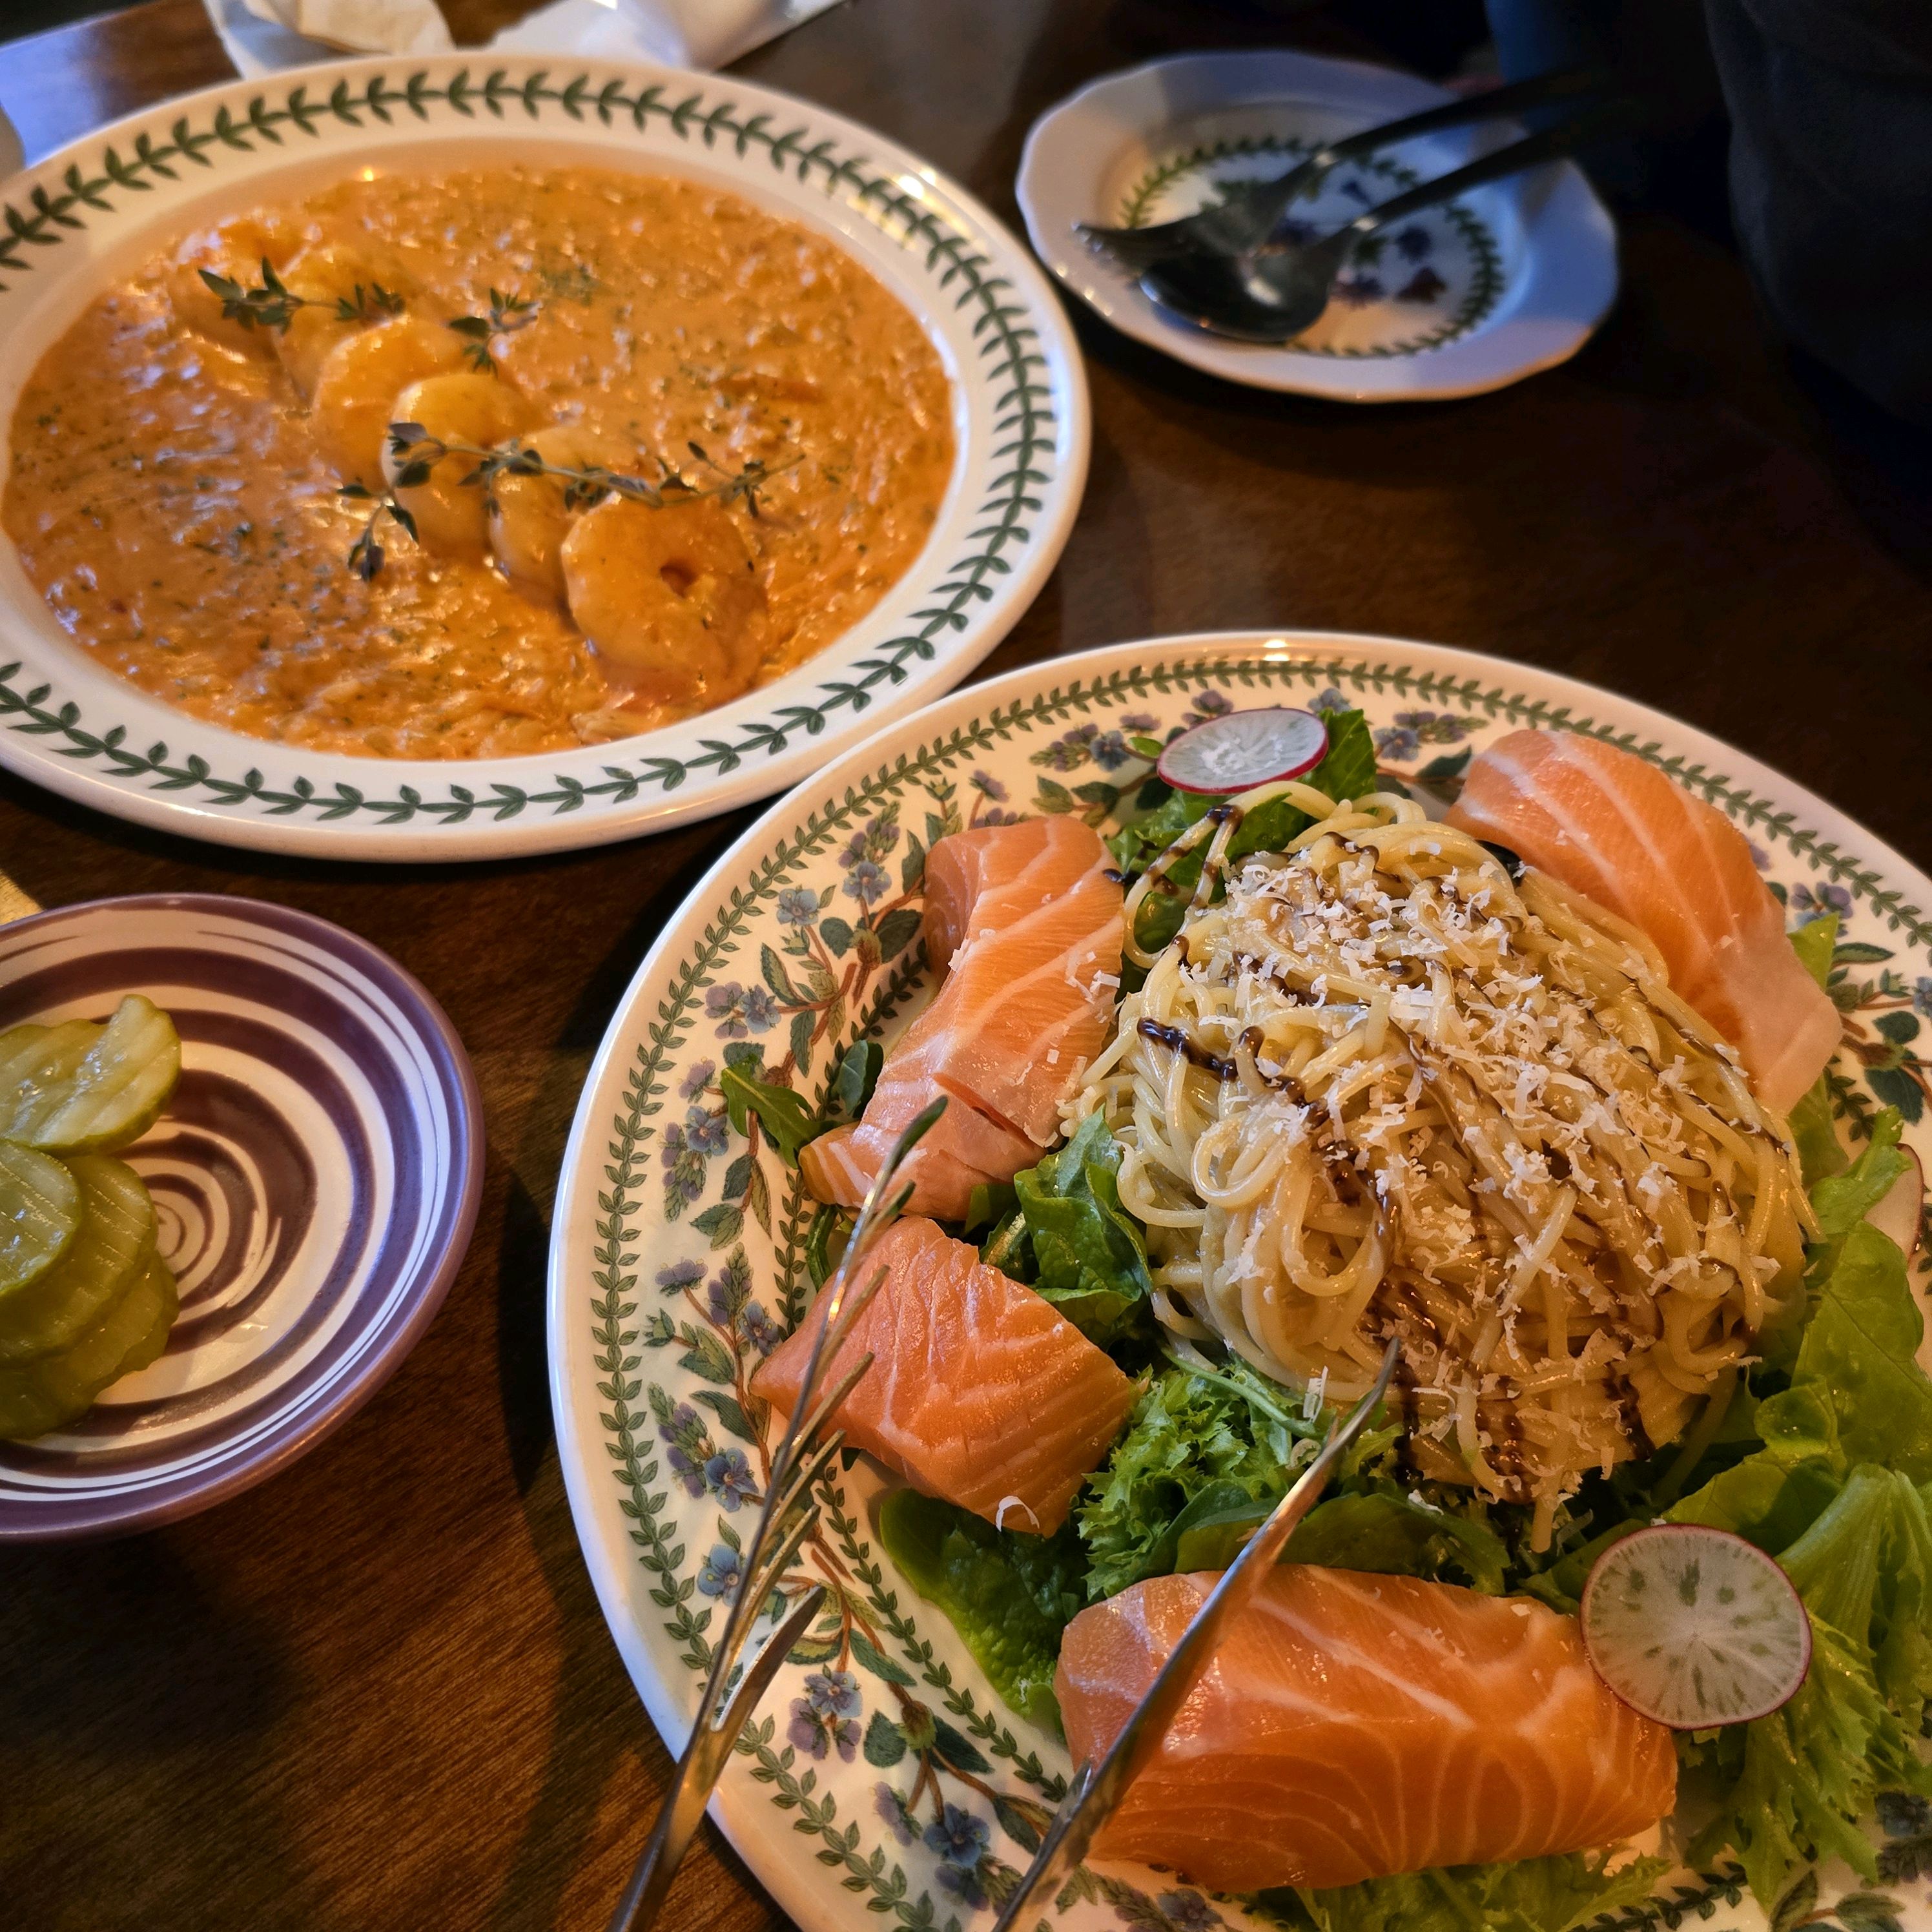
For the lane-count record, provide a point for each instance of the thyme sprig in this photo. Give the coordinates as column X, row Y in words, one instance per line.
column 506, row 316
column 417, row 453
column 274, row 305
column 366, row 554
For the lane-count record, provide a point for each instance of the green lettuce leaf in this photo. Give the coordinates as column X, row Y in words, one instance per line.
column 1089, row 1259
column 1347, row 770
column 1814, row 1131
column 1799, row 1780
column 1819, row 1152
column 1010, row 1595
column 1550, row 1894
column 1230, row 1432
column 1844, row 1200
column 1400, row 1537
column 1856, row 1392
column 1814, row 942
column 1803, row 1775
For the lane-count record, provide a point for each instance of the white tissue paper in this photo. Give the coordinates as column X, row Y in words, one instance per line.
column 360, row 26
column 263, row 35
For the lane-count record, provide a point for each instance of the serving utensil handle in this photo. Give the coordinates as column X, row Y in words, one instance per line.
column 1615, row 116
column 698, row 1770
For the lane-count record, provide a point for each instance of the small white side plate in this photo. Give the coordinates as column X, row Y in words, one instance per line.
column 1466, row 297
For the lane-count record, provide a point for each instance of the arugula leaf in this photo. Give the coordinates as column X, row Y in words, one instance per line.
column 1548, row 1894
column 858, row 1074
column 825, row 1242
column 1088, row 1257
column 1010, row 1595
column 788, row 1123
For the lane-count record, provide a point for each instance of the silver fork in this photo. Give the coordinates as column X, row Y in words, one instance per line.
column 1097, row 1789
column 1247, row 212
column 789, row 1517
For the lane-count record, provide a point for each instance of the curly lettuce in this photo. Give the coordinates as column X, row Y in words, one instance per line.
column 1195, row 1442
column 1839, row 1494
column 1550, row 1894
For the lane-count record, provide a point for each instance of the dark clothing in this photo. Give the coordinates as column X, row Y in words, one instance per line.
column 1830, row 105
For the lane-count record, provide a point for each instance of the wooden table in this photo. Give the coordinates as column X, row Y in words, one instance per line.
column 377, row 1691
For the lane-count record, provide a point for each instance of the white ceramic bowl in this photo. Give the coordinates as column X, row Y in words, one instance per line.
column 90, row 213
column 1504, row 281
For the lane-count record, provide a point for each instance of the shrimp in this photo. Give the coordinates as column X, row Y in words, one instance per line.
column 529, row 517
column 451, row 516
column 672, row 599
column 356, row 389
column 323, row 277
column 235, row 248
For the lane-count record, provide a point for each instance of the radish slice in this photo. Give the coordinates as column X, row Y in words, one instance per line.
column 1899, row 1213
column 1244, row 749
column 1695, row 1627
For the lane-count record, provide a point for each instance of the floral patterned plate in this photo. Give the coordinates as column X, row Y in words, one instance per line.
column 1464, row 298
column 884, row 1782
column 1020, row 417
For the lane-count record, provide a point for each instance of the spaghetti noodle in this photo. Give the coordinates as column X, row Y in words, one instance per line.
column 1379, row 1089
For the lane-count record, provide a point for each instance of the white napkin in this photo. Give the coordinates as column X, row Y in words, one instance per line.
column 360, row 26
column 262, row 35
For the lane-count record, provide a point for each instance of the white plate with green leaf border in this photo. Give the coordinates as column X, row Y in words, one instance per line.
column 883, row 1781
column 77, row 221
column 1462, row 298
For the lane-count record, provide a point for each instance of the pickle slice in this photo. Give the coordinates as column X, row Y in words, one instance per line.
column 37, row 1397
column 40, row 1215
column 116, row 1236
column 101, row 1098
column 32, row 1056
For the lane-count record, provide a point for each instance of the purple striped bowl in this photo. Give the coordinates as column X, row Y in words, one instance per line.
column 315, row 1181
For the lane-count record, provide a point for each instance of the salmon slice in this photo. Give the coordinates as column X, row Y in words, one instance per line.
column 1353, row 1726
column 1025, row 924
column 978, row 1393
column 1620, row 832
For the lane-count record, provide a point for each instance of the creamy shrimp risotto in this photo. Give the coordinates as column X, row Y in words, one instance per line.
column 662, row 448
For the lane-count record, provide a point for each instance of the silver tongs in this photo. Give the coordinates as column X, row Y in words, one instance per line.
column 1097, row 1790
column 789, row 1517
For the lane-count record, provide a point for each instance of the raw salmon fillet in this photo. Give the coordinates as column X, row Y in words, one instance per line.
column 978, row 1393
column 1025, row 925
column 1622, row 833
column 1353, row 1726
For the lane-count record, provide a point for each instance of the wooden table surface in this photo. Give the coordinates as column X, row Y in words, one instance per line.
column 377, row 1691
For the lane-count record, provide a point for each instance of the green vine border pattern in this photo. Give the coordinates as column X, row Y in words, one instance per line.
column 621, row 1225
column 1012, row 363
column 1486, row 285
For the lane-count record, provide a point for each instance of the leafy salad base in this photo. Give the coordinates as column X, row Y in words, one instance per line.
column 884, row 1776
